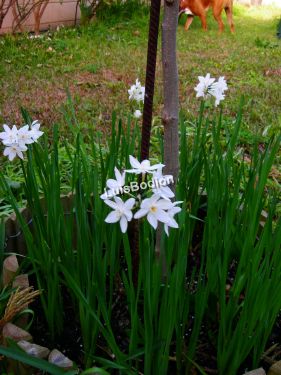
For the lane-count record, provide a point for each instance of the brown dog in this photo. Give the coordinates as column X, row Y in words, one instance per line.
column 199, row 8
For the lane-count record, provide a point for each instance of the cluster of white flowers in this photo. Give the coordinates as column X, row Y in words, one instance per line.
column 136, row 93
column 209, row 87
column 157, row 208
column 15, row 140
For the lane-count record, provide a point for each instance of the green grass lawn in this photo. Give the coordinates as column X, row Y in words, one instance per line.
column 98, row 63
column 249, row 60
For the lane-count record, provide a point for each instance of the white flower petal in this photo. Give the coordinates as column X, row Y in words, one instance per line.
column 174, row 210
column 135, row 171
column 128, row 214
column 156, row 166
column 165, row 204
column 111, row 204
column 152, row 220
column 148, row 202
column 172, row 223
column 137, row 114
column 119, row 202
column 6, row 128
column 23, row 129
column 11, row 156
column 20, row 154
column 154, row 198
column 134, row 162
column 112, row 217
column 117, row 174
column 162, row 216
column 123, row 224
column 129, row 204
column 164, row 191
column 140, row 213
column 112, row 184
column 145, row 164
column 106, row 195
column 166, row 228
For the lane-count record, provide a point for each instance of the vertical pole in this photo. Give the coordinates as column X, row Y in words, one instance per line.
column 150, row 76
column 147, row 110
column 171, row 104
column 170, row 86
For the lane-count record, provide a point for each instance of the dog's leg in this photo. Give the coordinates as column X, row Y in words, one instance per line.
column 199, row 10
column 203, row 19
column 217, row 15
column 228, row 12
column 188, row 22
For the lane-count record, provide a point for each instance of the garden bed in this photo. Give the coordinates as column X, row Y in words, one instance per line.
column 212, row 279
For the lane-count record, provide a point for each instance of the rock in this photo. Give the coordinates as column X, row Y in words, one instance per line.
column 33, row 349
column 275, row 369
column 59, row 359
column 10, row 267
column 258, row 371
column 14, row 332
column 21, row 281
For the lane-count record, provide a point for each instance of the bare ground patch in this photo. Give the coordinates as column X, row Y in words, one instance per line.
column 44, row 98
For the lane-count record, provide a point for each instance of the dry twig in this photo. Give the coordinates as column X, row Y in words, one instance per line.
column 18, row 301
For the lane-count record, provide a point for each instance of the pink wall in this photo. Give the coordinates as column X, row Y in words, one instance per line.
column 57, row 13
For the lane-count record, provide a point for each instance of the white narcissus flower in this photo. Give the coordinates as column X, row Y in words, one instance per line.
column 9, row 136
column 136, row 92
column 34, row 132
column 221, row 84
column 114, row 186
column 14, row 150
column 207, row 87
column 154, row 209
column 161, row 183
column 219, row 97
column 157, row 208
column 142, row 167
column 122, row 212
column 17, row 139
column 204, row 86
column 24, row 137
column 218, row 90
column 137, row 113
column 172, row 212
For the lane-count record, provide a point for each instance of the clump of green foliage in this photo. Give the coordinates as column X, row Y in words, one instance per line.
column 222, row 266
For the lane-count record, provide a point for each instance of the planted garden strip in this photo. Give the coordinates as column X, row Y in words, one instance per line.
column 81, row 211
